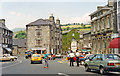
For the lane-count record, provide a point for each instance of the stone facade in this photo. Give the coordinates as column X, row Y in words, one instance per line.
column 19, row 46
column 45, row 33
column 87, row 41
column 6, row 40
column 103, row 23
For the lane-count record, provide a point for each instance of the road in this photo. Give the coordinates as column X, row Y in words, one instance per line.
column 23, row 66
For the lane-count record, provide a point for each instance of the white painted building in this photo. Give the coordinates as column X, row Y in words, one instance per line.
column 74, row 45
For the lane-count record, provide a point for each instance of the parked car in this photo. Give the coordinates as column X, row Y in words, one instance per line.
column 104, row 63
column 58, row 56
column 12, row 57
column 36, row 58
column 3, row 58
column 82, row 60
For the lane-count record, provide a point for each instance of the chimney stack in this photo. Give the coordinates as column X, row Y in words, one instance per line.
column 51, row 18
column 58, row 21
column 2, row 21
column 110, row 3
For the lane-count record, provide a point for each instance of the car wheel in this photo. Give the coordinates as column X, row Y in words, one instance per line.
column 102, row 71
column 82, row 62
column 11, row 60
column 87, row 68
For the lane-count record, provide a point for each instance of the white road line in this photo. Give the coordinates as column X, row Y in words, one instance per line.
column 12, row 65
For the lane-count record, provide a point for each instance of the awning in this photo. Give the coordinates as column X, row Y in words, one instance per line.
column 38, row 48
column 115, row 43
column 8, row 49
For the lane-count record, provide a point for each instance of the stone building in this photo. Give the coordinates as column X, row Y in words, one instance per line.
column 118, row 15
column 19, row 46
column 6, row 40
column 87, row 41
column 44, row 34
column 103, row 22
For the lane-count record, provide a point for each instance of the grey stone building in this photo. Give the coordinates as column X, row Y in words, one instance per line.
column 6, row 40
column 104, row 27
column 118, row 15
column 44, row 34
column 19, row 46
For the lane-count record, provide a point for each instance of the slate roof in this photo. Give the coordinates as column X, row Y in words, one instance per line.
column 3, row 26
column 41, row 22
column 19, row 42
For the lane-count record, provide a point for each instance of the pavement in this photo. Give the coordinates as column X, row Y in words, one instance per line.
column 57, row 67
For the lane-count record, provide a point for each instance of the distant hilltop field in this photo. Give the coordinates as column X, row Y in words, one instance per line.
column 81, row 27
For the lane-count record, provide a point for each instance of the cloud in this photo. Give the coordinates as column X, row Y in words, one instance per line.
column 15, row 13
column 12, row 13
column 84, row 19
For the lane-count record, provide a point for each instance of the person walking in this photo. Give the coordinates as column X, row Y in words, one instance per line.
column 46, row 59
column 77, row 57
column 71, row 55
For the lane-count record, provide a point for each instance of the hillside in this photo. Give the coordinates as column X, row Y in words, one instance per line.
column 18, row 29
column 80, row 27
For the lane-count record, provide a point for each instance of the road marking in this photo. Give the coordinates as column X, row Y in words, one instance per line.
column 12, row 65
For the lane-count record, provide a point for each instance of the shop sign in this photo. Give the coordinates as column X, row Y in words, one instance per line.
column 100, row 35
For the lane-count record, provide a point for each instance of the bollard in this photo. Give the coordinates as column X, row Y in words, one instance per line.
column 63, row 59
column 66, row 58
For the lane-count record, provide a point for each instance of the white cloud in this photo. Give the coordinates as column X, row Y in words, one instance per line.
column 84, row 19
column 15, row 13
column 19, row 14
column 12, row 13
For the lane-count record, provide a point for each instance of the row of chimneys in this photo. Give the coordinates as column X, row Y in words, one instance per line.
column 51, row 18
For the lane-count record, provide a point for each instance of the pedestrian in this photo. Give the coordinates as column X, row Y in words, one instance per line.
column 46, row 59
column 71, row 55
column 77, row 57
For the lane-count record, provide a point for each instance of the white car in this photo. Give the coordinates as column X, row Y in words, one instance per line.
column 58, row 56
column 12, row 57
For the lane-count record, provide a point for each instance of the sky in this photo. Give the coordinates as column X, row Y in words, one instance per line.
column 19, row 14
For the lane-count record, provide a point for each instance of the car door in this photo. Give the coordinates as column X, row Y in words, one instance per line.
column 98, row 62
column 92, row 62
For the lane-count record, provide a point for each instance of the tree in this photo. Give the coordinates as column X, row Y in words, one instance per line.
column 20, row 35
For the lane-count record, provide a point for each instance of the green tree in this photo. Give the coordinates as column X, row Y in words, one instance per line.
column 67, row 38
column 20, row 35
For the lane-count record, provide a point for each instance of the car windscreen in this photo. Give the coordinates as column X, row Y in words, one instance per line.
column 112, row 56
column 36, row 55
